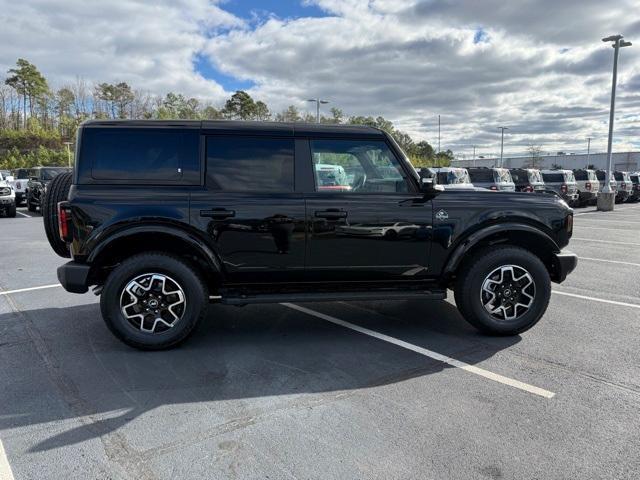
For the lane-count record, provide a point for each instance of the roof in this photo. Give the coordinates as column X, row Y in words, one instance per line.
column 286, row 128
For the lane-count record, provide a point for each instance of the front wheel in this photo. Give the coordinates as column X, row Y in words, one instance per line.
column 503, row 290
column 153, row 301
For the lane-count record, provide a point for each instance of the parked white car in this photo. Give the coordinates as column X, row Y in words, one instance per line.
column 19, row 184
column 7, row 197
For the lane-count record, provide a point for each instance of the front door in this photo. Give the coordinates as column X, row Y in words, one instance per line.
column 365, row 218
column 249, row 210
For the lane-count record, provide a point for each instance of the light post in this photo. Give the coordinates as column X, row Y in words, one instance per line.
column 439, row 150
column 502, row 143
column 588, row 150
column 318, row 102
column 606, row 198
column 68, row 144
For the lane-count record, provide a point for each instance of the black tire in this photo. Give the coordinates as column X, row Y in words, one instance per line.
column 187, row 278
column 11, row 211
column 57, row 191
column 468, row 289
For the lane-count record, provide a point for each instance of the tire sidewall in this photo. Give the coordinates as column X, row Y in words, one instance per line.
column 489, row 263
column 184, row 275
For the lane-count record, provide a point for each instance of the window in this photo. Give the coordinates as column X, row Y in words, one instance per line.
column 363, row 166
column 502, row 175
column 535, row 176
column 139, row 153
column 481, row 175
column 553, row 177
column 250, row 164
column 453, row 177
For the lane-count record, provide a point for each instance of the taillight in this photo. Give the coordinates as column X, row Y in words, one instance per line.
column 588, row 186
column 18, row 185
column 563, row 188
column 493, row 187
column 623, row 185
column 528, row 188
column 64, row 218
column 569, row 224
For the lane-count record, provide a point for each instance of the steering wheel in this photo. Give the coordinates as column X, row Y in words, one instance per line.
column 359, row 182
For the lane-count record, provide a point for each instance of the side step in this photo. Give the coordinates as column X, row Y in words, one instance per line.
column 240, row 299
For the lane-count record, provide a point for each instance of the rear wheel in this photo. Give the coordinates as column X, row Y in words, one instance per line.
column 57, row 191
column 153, row 301
column 503, row 290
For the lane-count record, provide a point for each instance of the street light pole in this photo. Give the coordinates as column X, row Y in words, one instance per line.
column 474, row 155
column 588, row 150
column 609, row 194
column 439, row 150
column 502, row 143
column 68, row 144
column 318, row 102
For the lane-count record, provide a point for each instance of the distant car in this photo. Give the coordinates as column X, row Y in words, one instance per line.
column 493, row 178
column 625, row 186
column 39, row 177
column 588, row 186
column 331, row 177
column 527, row 180
column 7, row 198
column 389, row 231
column 601, row 174
column 452, row 178
column 563, row 183
column 19, row 184
column 635, row 192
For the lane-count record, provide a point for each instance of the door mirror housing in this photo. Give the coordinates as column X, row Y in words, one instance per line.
column 429, row 182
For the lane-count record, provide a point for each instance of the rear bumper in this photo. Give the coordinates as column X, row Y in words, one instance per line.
column 74, row 277
column 563, row 264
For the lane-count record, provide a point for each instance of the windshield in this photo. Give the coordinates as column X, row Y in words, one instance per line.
column 49, row 173
column 535, row 176
column 502, row 175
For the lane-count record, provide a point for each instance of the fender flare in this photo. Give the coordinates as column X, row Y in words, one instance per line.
column 193, row 240
column 474, row 238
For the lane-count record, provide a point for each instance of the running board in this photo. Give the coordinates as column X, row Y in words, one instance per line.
column 238, row 299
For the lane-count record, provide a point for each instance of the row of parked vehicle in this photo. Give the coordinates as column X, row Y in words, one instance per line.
column 26, row 185
column 577, row 187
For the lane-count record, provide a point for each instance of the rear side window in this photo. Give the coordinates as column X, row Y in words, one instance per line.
column 502, row 175
column 553, row 177
column 581, row 175
column 250, row 164
column 481, row 175
column 139, row 154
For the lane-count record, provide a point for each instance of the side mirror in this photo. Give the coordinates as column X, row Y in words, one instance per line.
column 429, row 182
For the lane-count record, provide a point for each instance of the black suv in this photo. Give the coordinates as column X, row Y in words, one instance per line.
column 165, row 217
column 39, row 177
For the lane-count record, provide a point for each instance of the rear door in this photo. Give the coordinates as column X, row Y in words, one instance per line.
column 249, row 209
column 370, row 225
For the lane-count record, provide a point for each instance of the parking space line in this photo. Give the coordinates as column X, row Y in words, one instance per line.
column 42, row 287
column 5, row 468
column 605, row 241
column 610, row 261
column 615, row 221
column 596, row 299
column 24, row 214
column 427, row 353
column 631, row 230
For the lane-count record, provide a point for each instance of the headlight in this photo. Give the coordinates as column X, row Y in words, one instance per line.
column 5, row 191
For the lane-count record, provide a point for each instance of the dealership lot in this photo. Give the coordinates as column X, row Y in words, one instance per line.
column 340, row 390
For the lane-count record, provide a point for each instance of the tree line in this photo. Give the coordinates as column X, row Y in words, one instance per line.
column 36, row 120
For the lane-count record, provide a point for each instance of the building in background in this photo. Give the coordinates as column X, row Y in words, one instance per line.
column 625, row 161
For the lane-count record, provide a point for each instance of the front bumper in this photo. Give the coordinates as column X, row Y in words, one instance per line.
column 74, row 277
column 563, row 264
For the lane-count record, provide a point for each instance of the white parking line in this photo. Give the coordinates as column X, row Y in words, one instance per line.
column 605, row 241
column 5, row 468
column 609, row 261
column 42, row 287
column 607, row 229
column 427, row 353
column 613, row 221
column 24, row 214
column 596, row 299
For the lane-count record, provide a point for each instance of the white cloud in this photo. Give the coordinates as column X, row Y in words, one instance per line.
column 542, row 69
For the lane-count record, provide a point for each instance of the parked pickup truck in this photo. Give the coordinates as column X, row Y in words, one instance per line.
column 162, row 218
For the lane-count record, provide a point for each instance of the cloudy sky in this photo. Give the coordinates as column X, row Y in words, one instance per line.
column 536, row 66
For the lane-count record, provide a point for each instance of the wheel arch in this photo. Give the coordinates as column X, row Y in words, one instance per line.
column 521, row 235
column 130, row 241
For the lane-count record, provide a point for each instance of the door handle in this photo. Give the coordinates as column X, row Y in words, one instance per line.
column 218, row 213
column 331, row 214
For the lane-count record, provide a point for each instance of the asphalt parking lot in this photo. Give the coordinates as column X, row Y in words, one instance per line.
column 385, row 390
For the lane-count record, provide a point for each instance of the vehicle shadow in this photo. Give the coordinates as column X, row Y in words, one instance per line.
column 257, row 352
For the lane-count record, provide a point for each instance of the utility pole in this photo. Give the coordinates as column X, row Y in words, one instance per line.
column 588, row 150
column 68, row 144
column 606, row 199
column 439, row 150
column 474, row 155
column 318, row 102
column 502, row 143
